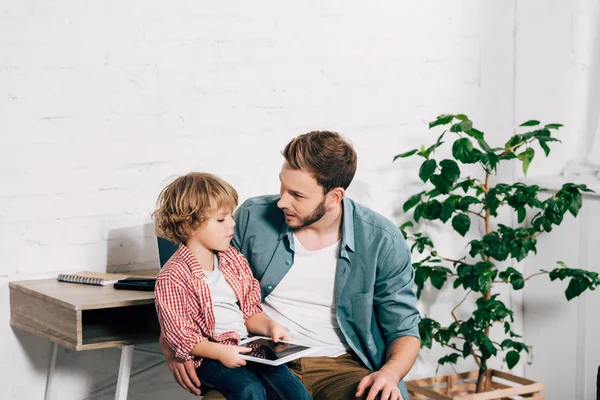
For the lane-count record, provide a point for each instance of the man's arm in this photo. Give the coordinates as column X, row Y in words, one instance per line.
column 401, row 355
column 183, row 371
column 395, row 307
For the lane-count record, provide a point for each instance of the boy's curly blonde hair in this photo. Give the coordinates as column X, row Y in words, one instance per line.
column 188, row 202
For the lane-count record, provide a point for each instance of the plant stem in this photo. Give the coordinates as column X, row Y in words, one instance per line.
column 536, row 274
column 458, row 305
column 505, row 152
column 431, row 250
column 481, row 376
column 475, row 213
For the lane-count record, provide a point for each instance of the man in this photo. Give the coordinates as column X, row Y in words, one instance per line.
column 337, row 275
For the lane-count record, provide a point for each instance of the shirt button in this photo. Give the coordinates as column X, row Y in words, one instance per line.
column 269, row 286
column 288, row 262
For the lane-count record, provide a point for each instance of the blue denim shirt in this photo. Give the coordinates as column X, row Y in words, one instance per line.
column 375, row 303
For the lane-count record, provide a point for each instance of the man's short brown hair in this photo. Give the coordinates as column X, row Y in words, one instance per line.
column 188, row 202
column 324, row 154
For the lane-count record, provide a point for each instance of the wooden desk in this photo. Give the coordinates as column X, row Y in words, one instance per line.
column 86, row 317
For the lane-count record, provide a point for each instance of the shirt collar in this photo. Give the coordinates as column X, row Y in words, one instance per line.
column 347, row 241
column 191, row 261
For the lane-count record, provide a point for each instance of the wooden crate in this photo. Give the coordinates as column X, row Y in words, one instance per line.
column 501, row 386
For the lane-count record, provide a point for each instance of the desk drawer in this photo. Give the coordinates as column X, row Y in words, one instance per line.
column 44, row 318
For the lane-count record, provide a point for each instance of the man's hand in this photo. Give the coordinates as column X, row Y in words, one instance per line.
column 381, row 381
column 230, row 356
column 277, row 332
column 183, row 371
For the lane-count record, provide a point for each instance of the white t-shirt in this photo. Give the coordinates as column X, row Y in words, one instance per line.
column 304, row 300
column 228, row 316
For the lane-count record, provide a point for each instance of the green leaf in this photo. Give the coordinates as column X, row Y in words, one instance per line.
column 450, row 170
column 427, row 169
column 432, row 210
column 450, row 358
column 412, row 201
column 512, row 358
column 553, row 126
column 466, row 349
column 485, row 283
column 461, row 117
column 426, row 328
column 496, row 248
column 544, row 147
column 462, row 126
column 464, row 185
column 461, row 223
column 521, row 214
column 487, row 347
column 475, row 134
column 437, row 280
column 448, row 207
column 526, row 158
column 441, row 120
column 404, row 155
column 418, row 212
column 421, row 275
column 576, row 287
column 463, row 151
column 575, row 204
column 441, row 184
column 466, row 201
column 531, row 122
column 407, row 224
column 430, row 149
column 517, row 281
column 489, row 160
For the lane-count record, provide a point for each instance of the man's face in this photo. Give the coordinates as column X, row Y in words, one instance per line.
column 302, row 199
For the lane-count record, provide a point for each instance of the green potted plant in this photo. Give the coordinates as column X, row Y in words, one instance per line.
column 461, row 200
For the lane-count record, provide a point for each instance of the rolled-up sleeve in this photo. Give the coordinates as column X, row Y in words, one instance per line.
column 394, row 298
column 178, row 328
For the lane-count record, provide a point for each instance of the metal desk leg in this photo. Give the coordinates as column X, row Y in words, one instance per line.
column 50, row 395
column 124, row 372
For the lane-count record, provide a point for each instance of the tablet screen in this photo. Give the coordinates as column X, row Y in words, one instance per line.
column 269, row 350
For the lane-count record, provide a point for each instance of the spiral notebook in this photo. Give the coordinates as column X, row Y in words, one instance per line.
column 91, row 278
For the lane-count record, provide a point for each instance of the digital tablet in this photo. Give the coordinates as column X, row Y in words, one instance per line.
column 266, row 351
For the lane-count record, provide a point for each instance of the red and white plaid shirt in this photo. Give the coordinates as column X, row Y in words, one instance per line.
column 184, row 304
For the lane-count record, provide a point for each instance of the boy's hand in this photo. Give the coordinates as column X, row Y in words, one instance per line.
column 230, row 356
column 277, row 332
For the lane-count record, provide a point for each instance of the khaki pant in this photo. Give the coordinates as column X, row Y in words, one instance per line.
column 325, row 378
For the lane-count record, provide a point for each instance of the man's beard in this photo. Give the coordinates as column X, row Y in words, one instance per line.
column 316, row 215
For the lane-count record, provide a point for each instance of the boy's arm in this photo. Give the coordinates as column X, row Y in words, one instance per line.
column 178, row 329
column 259, row 324
column 251, row 298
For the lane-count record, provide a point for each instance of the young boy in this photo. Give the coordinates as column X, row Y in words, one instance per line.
column 206, row 296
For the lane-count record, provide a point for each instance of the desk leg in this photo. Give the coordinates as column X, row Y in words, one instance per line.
column 50, row 395
column 124, row 372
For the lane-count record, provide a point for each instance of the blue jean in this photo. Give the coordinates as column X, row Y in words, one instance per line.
column 255, row 381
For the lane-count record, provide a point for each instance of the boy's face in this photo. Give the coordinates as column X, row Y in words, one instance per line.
column 302, row 199
column 216, row 233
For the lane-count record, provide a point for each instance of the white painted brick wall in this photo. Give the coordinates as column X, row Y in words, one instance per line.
column 101, row 101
